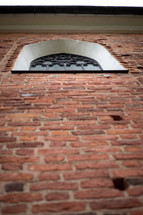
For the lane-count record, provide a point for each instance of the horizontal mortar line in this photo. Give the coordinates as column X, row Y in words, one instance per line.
column 72, row 28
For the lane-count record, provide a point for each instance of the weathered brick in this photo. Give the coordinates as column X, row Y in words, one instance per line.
column 24, row 124
column 14, row 187
column 53, row 186
column 131, row 163
column 48, row 177
column 16, row 176
column 14, row 209
column 28, row 128
column 57, row 196
column 126, row 156
column 61, row 138
column 135, row 191
column 59, row 207
column 134, row 181
column 85, row 174
column 88, row 132
column 54, row 158
column 137, row 212
column 97, row 183
column 5, row 152
column 97, row 165
column 50, row 167
column 24, row 152
column 25, row 145
column 98, row 194
column 133, row 149
column 17, row 116
column 21, row 197
column 59, row 133
column 128, row 172
column 90, row 143
column 127, row 142
column 20, row 160
column 87, row 157
column 115, row 204
column 7, row 139
column 12, row 166
column 58, row 151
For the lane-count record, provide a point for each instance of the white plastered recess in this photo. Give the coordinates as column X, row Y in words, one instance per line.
column 87, row 49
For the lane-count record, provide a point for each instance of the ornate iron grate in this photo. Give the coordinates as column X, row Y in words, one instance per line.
column 64, row 62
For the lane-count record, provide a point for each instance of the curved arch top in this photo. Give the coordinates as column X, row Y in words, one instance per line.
column 87, row 49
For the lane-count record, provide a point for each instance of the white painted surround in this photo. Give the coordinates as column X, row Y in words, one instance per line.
column 87, row 49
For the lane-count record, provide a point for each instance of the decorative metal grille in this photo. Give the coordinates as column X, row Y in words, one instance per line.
column 64, row 62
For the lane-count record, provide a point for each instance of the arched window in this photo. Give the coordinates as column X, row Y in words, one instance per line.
column 66, row 55
column 64, row 62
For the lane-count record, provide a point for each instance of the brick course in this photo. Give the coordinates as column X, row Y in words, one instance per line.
column 65, row 137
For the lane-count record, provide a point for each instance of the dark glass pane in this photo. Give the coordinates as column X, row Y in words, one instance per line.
column 64, row 62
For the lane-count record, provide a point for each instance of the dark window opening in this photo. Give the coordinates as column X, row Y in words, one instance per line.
column 119, row 183
column 64, row 63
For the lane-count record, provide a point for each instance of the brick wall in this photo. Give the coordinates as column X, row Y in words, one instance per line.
column 72, row 144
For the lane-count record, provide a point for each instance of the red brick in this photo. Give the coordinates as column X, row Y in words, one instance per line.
column 50, row 167
column 25, row 145
column 4, row 129
column 13, row 166
column 132, row 149
column 17, row 116
column 59, row 207
column 126, row 156
column 57, row 196
column 53, row 186
column 98, row 194
column 87, row 157
column 88, row 132
column 24, row 124
column 127, row 172
column 58, row 151
column 20, row 160
column 137, row 212
column 128, row 136
column 28, row 128
column 102, row 149
column 127, row 142
column 87, row 143
column 7, row 139
column 97, row 165
column 24, row 152
column 99, row 137
column 115, row 204
column 21, row 197
column 54, row 158
column 57, row 144
column 85, row 174
column 48, row 177
column 92, row 126
column 16, row 176
column 97, row 183
column 14, row 209
column 59, row 133
column 61, row 138
column 131, row 163
column 26, row 138
column 124, row 131
column 5, row 152
column 135, row 191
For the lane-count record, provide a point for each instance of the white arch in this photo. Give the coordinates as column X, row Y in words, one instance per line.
column 88, row 49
